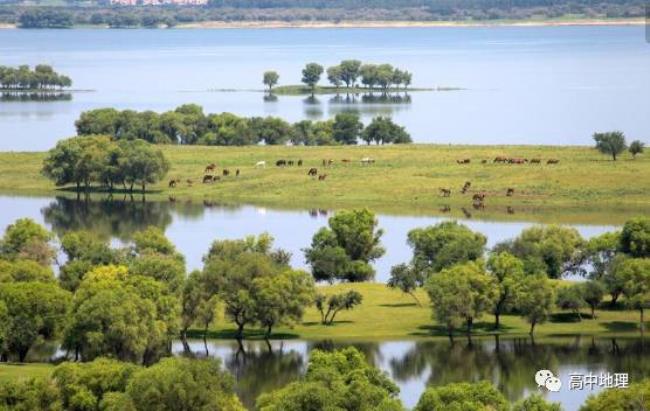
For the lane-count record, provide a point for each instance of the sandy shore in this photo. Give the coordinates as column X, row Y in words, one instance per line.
column 402, row 24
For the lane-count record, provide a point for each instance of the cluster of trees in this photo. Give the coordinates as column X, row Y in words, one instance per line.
column 448, row 261
column 43, row 77
column 188, row 124
column 99, row 159
column 613, row 144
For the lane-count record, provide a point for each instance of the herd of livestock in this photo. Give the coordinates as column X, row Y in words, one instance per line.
column 211, row 174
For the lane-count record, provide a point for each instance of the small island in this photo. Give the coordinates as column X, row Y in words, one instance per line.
column 42, row 78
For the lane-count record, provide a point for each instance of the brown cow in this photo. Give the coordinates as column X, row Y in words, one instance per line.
column 553, row 161
column 517, row 160
column 478, row 197
column 464, row 161
column 210, row 167
column 237, row 173
column 226, row 172
column 466, row 187
column 322, row 177
column 207, row 179
column 172, row 183
column 313, row 172
column 445, row 209
column 535, row 161
column 300, row 163
column 483, row 161
column 500, row 159
column 510, row 192
column 445, row 192
column 345, row 161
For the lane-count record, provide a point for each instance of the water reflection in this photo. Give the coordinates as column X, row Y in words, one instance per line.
column 509, row 363
column 34, row 97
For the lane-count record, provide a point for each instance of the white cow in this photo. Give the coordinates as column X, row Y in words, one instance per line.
column 260, row 164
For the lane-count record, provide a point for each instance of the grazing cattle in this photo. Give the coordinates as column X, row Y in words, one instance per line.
column 345, row 161
column 478, row 197
column 367, row 161
column 290, row 163
column 510, row 192
column 500, row 159
column 207, row 179
column 322, row 177
column 300, row 163
column 445, row 192
column 281, row 163
column 478, row 205
column 172, row 183
column 189, row 182
column 226, row 172
column 466, row 187
column 517, row 160
column 210, row 167
column 510, row 210
column 260, row 164
column 535, row 161
column 445, row 209
column 312, row 172
column 237, row 173
column 553, row 161
column 483, row 161
column 464, row 161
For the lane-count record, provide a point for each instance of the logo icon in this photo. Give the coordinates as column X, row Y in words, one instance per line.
column 546, row 379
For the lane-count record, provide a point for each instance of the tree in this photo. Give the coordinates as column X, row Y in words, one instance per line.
column 25, row 271
column 183, row 384
column 282, row 299
column 334, row 76
column 443, row 245
column 27, row 394
column 33, row 310
column 369, row 75
column 311, row 75
column 474, row 290
column 611, row 143
column 383, row 130
column 535, row 300
column 635, row 397
column 339, row 380
column 350, row 72
column 592, row 292
column 552, row 249
column 142, row 163
column 328, row 307
column 270, row 79
column 508, row 270
column 346, row 128
column 84, row 251
column 463, row 396
column 535, row 402
column 635, row 237
column 405, row 278
column 570, row 298
column 26, row 239
column 636, row 147
column 271, row 130
column 345, row 250
column 635, row 273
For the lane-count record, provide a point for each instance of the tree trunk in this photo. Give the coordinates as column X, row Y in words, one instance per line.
column 614, row 299
column 593, row 312
column 416, row 299
column 269, row 329
column 641, row 319
column 497, row 321
column 469, row 325
column 240, row 331
column 532, row 328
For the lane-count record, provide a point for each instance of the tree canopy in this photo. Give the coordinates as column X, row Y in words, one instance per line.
column 611, row 143
column 42, row 77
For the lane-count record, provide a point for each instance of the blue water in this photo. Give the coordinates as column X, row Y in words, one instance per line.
column 529, row 85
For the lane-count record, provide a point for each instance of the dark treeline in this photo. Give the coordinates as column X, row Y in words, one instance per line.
column 43, row 77
column 335, row 11
column 188, row 124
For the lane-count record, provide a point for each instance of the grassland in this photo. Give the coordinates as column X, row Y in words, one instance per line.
column 12, row 371
column 585, row 187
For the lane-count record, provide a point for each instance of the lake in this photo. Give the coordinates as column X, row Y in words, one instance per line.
column 525, row 85
column 192, row 227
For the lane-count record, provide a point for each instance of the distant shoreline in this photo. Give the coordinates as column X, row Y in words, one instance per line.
column 390, row 24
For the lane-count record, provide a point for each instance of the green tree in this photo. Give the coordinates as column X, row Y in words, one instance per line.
column 636, row 397
column 25, row 271
column 270, row 79
column 350, row 72
column 535, row 402
column 570, row 298
column 535, row 300
column 407, row 279
column 311, row 75
column 29, row 394
column 34, row 310
column 334, row 76
column 183, row 384
column 84, row 251
column 552, row 249
column 474, row 289
column 142, row 163
column 345, row 250
column 592, row 292
column 611, row 143
column 383, row 130
column 329, row 306
column 463, row 396
column 339, row 380
column 271, row 130
column 635, row 237
column 443, row 245
column 26, row 239
column 346, row 128
column 369, row 75
column 635, row 273
column 636, row 147
column 508, row 270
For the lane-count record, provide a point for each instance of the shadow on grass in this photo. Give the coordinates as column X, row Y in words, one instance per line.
column 479, row 328
column 230, row 334
column 621, row 326
column 316, row 323
column 569, row 317
column 399, row 305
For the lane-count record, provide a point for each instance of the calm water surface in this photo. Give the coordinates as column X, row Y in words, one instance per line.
column 193, row 227
column 529, row 85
